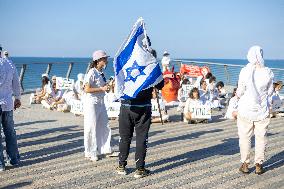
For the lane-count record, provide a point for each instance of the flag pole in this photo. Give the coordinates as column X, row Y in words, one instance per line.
column 157, row 97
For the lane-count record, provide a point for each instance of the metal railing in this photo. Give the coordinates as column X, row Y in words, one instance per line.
column 228, row 73
column 30, row 74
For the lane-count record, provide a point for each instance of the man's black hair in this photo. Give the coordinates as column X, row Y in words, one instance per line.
column 149, row 41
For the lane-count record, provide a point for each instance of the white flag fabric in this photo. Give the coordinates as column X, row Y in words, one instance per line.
column 135, row 67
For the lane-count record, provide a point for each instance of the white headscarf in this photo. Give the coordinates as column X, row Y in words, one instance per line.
column 80, row 77
column 255, row 57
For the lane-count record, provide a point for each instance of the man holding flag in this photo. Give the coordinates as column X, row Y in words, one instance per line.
column 136, row 74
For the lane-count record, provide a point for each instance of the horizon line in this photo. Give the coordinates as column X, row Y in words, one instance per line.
column 158, row 58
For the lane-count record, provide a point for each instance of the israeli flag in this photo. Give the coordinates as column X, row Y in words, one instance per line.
column 135, row 67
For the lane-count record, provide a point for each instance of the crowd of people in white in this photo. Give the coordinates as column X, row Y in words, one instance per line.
column 54, row 98
column 194, row 93
column 252, row 103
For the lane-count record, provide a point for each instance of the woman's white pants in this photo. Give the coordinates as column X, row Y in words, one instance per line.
column 97, row 134
column 245, row 130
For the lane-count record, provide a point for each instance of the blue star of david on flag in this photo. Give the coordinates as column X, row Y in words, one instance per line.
column 134, row 71
column 131, row 77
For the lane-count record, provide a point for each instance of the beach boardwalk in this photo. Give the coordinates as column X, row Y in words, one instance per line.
column 179, row 155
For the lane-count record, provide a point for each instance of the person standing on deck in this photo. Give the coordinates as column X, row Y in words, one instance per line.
column 137, row 72
column 136, row 114
column 166, row 61
column 97, row 134
column 254, row 91
column 9, row 87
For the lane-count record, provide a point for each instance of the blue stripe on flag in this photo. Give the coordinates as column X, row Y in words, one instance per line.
column 155, row 74
column 125, row 55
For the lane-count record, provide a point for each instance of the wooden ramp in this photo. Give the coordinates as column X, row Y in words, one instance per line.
column 179, row 155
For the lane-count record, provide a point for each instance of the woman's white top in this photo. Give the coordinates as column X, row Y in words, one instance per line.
column 255, row 88
column 56, row 94
column 68, row 97
column 78, row 88
column 165, row 62
column 191, row 103
column 95, row 80
column 233, row 106
column 47, row 88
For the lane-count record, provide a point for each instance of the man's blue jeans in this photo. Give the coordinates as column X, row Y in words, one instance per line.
column 7, row 123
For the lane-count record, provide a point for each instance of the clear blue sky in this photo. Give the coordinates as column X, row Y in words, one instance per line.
column 185, row 28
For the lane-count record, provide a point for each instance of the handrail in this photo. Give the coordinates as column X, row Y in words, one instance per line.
column 228, row 73
column 69, row 69
column 216, row 63
column 210, row 63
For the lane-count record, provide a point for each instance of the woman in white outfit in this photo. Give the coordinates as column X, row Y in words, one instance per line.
column 255, row 88
column 166, row 61
column 97, row 134
column 232, row 110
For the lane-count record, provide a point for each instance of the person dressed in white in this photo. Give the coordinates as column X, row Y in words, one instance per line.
column 52, row 96
column 166, row 61
column 277, row 100
column 40, row 94
column 78, row 87
column 97, row 134
column 65, row 103
column 155, row 118
column 204, row 92
column 182, row 97
column 254, row 91
column 232, row 110
column 192, row 102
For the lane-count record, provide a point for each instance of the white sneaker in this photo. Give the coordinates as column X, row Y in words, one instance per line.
column 94, row 158
column 113, row 154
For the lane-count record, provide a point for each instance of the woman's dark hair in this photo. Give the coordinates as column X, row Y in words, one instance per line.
column 192, row 91
column 53, row 85
column 184, row 82
column 154, row 53
column 275, row 85
column 213, row 78
column 234, row 92
column 208, row 75
column 202, row 81
column 94, row 64
column 44, row 81
column 149, row 41
column 220, row 84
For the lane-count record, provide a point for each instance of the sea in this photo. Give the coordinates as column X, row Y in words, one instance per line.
column 36, row 66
